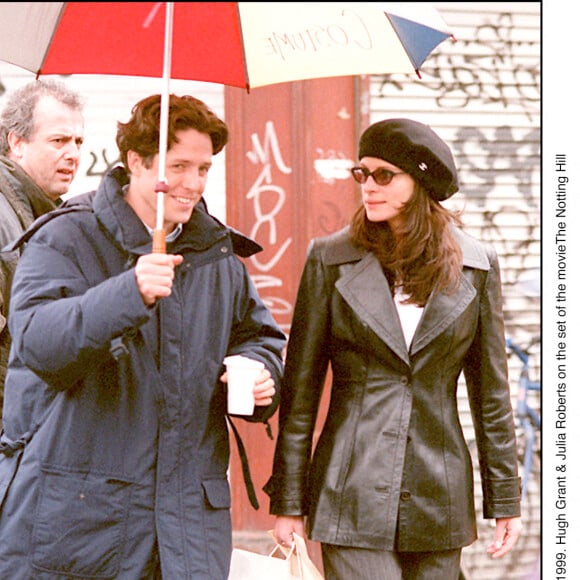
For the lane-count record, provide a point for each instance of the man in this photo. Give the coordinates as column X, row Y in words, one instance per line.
column 116, row 465
column 41, row 133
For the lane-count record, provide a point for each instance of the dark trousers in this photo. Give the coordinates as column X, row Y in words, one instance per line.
column 343, row 563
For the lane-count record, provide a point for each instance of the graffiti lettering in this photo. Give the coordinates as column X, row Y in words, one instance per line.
column 92, row 171
column 503, row 155
column 488, row 68
column 264, row 193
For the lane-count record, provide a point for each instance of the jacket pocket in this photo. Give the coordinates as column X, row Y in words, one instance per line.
column 80, row 524
column 217, row 493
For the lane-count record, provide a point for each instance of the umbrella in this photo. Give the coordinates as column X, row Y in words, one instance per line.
column 239, row 44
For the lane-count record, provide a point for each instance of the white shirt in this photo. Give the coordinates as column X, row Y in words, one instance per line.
column 169, row 237
column 409, row 315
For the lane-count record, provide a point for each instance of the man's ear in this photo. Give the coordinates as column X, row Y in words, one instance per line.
column 134, row 162
column 15, row 143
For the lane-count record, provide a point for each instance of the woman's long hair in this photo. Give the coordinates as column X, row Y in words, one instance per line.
column 424, row 257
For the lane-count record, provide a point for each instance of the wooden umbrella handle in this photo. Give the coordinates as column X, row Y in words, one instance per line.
column 159, row 246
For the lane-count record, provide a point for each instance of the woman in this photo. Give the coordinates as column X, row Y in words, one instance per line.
column 398, row 304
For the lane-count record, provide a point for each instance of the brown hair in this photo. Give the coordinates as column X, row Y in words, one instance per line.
column 424, row 257
column 141, row 132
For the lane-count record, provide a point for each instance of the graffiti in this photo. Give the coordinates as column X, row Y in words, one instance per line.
column 516, row 249
column 332, row 166
column 265, row 193
column 487, row 68
column 512, row 228
column 92, row 170
column 261, row 154
column 331, row 217
column 503, row 155
column 512, row 225
column 262, row 188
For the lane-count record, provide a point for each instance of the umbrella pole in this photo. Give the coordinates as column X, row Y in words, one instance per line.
column 162, row 187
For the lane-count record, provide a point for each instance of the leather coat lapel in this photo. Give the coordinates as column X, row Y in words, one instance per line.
column 440, row 312
column 366, row 290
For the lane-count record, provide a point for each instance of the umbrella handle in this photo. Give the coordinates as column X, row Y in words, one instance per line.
column 159, row 241
column 161, row 188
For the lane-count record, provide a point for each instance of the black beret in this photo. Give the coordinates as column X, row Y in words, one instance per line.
column 416, row 149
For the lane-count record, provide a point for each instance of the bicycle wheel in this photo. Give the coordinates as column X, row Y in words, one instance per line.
column 521, row 561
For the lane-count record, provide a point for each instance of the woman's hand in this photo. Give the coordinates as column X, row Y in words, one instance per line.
column 285, row 525
column 507, row 532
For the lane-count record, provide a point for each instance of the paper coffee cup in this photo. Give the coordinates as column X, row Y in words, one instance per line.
column 242, row 374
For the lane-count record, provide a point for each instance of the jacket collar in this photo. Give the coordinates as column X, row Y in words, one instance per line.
column 365, row 288
column 200, row 233
column 22, row 192
column 123, row 225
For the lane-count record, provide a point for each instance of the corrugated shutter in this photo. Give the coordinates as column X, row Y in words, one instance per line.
column 482, row 95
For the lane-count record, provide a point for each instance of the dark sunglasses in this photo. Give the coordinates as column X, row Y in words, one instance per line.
column 381, row 176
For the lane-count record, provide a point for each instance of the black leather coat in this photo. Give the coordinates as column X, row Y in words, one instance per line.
column 391, row 469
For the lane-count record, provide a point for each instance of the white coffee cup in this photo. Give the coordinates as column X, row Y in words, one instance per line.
column 242, row 375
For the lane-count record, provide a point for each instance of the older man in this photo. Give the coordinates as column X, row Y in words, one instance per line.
column 41, row 133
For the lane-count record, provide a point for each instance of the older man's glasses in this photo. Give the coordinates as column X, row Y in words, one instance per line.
column 381, row 176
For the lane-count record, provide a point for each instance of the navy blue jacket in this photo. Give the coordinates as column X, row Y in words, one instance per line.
column 118, row 407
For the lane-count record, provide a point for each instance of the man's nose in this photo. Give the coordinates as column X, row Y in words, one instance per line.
column 73, row 149
column 192, row 179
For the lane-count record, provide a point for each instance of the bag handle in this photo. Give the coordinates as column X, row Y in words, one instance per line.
column 285, row 552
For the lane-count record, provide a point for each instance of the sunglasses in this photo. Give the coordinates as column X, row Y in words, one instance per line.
column 381, row 176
